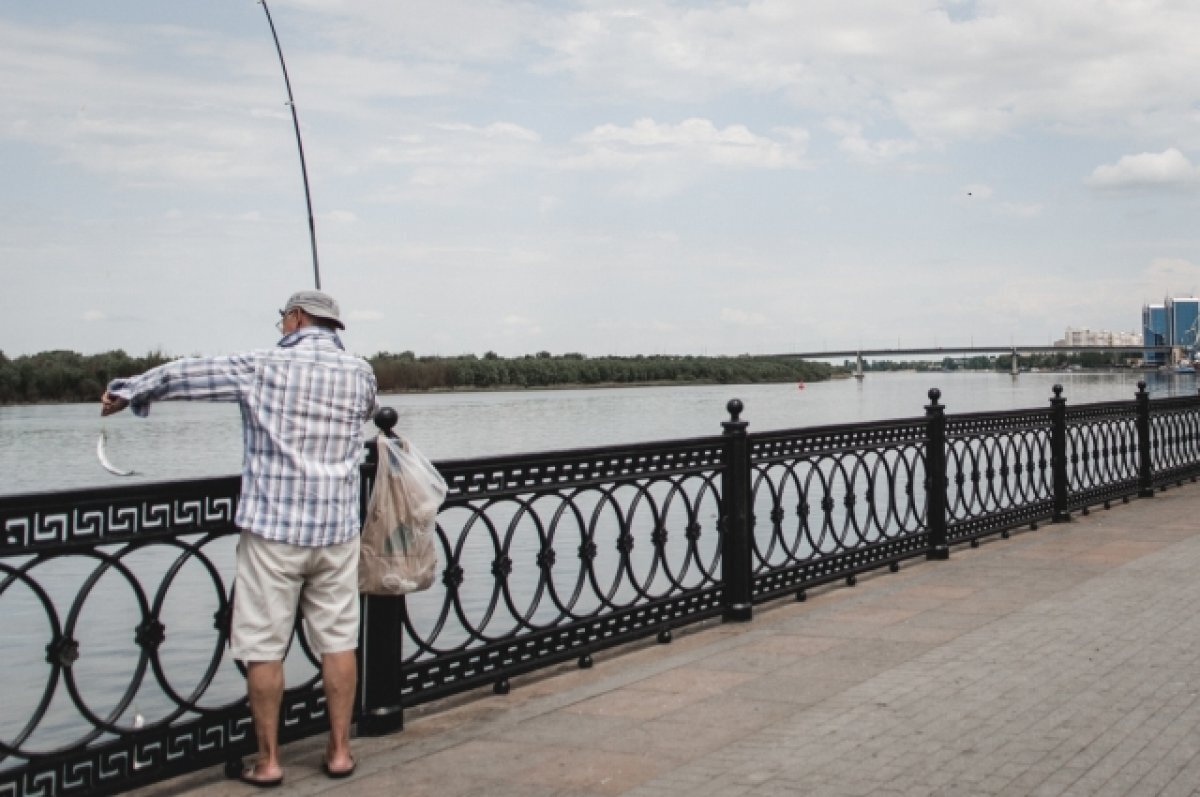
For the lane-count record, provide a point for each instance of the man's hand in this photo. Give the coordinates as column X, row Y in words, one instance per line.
column 110, row 404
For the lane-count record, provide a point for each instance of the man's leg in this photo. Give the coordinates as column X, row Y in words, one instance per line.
column 264, row 688
column 339, row 672
column 263, row 615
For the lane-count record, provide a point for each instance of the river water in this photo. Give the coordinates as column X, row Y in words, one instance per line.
column 53, row 447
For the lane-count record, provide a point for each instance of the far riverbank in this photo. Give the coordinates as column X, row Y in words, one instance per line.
column 69, row 377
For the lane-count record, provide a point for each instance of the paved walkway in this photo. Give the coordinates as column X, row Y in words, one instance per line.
column 1064, row 661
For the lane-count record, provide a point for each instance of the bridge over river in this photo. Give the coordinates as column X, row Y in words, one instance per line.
column 1017, row 351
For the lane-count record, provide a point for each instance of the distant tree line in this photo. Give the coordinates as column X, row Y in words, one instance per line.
column 406, row 371
column 65, row 376
column 52, row 376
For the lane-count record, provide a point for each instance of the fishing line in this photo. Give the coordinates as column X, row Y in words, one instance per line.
column 102, row 442
column 312, row 226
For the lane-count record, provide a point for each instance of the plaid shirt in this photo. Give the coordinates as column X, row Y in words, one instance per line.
column 303, row 406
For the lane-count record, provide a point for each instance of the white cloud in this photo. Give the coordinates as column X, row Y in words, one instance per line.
column 945, row 74
column 1170, row 276
column 1166, row 169
column 493, row 130
column 730, row 315
column 859, row 148
column 520, row 325
column 697, row 140
column 1021, row 210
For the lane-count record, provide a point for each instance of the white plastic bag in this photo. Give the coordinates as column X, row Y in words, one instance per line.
column 398, row 553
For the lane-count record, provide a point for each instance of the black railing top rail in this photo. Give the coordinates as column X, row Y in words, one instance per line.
column 1175, row 402
column 811, row 440
column 579, row 467
column 998, row 419
column 1112, row 409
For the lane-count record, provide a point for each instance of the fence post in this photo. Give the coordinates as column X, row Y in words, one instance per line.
column 1058, row 455
column 382, row 708
column 935, row 477
column 736, row 542
column 1145, row 461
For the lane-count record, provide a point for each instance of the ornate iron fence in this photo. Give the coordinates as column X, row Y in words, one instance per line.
column 115, row 602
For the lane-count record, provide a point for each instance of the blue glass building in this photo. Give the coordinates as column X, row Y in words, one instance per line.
column 1183, row 315
column 1155, row 332
column 1175, row 322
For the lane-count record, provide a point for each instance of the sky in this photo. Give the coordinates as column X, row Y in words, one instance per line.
column 603, row 177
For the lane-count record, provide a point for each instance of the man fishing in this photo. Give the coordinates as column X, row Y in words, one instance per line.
column 304, row 404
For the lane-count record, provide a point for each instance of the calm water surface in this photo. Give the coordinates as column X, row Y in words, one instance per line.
column 50, row 447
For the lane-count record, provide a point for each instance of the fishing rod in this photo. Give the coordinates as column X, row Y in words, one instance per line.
column 291, row 102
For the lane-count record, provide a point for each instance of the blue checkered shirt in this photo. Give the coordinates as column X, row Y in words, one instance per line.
column 304, row 404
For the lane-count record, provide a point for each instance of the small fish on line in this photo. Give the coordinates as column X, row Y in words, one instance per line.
column 103, row 456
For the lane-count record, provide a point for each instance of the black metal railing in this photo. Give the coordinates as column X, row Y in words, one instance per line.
column 114, row 603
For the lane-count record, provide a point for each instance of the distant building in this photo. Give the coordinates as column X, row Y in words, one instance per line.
column 1183, row 316
column 1155, row 332
column 1175, row 322
column 1102, row 337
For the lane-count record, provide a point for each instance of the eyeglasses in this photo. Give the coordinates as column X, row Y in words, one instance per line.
column 283, row 314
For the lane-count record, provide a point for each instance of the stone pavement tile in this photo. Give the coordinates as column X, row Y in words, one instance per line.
column 793, row 645
column 918, row 632
column 591, row 771
column 842, row 669
column 1185, row 783
column 1057, row 783
column 696, row 680
column 561, row 727
column 671, row 739
column 478, row 759
column 1172, row 763
column 798, row 691
column 733, row 712
column 440, row 784
column 742, row 660
column 1119, row 552
column 872, row 615
column 948, row 618
column 882, row 651
column 637, row 704
column 941, row 593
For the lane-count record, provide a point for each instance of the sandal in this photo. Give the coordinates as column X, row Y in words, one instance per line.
column 338, row 774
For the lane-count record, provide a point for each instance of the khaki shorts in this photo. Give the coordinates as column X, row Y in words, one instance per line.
column 274, row 578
